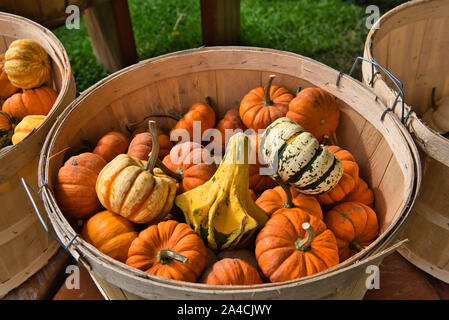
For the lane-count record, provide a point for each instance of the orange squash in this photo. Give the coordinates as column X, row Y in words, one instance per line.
column 294, row 244
column 257, row 182
column 142, row 144
column 199, row 111
column 262, row 105
column 355, row 226
column 168, row 249
column 111, row 145
column 37, row 101
column 191, row 161
column 75, row 185
column 316, row 110
column 7, row 89
column 347, row 182
column 273, row 200
column 361, row 193
column 231, row 272
column 230, row 123
column 110, row 233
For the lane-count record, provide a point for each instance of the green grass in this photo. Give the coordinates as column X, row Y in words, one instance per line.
column 330, row 31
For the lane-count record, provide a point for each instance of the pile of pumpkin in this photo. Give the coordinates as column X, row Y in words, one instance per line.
column 168, row 210
column 25, row 97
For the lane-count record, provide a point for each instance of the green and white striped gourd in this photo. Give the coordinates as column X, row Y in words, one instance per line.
column 297, row 158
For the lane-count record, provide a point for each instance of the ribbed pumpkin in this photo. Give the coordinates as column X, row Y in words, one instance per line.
column 298, row 159
column 6, row 129
column 110, row 233
column 27, row 64
column 200, row 112
column 37, row 101
column 294, row 244
column 272, row 200
column 111, row 145
column 355, row 226
column 168, row 249
column 192, row 162
column 25, row 127
column 134, row 189
column 142, row 143
column 316, row 110
column 229, row 125
column 231, row 272
column 257, row 181
column 361, row 193
column 347, row 182
column 243, row 254
column 75, row 185
column 221, row 210
column 263, row 105
column 6, row 87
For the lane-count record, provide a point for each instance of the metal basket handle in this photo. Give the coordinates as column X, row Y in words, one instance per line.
column 399, row 85
column 29, row 190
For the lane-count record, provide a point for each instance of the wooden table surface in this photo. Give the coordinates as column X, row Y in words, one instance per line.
column 399, row 280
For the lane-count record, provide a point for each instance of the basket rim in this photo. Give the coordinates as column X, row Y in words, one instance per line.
column 83, row 249
column 425, row 137
column 68, row 85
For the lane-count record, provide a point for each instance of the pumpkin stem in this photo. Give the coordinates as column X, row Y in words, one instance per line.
column 166, row 256
column 168, row 172
column 267, row 101
column 134, row 125
column 355, row 245
column 303, row 244
column 152, row 157
column 298, row 90
column 288, row 203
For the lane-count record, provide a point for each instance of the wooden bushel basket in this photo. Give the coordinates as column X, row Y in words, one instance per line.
column 384, row 149
column 25, row 247
column 412, row 42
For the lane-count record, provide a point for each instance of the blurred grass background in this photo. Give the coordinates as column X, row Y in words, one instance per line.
column 330, row 31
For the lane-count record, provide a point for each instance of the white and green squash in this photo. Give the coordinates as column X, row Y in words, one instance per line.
column 297, row 158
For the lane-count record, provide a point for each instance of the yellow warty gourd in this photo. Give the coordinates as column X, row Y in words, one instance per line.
column 221, row 210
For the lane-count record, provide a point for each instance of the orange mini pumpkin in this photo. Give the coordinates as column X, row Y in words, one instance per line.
column 294, row 244
column 262, row 105
column 347, row 182
column 191, row 162
column 199, row 111
column 37, row 101
column 230, row 122
column 273, row 200
column 111, row 145
column 232, row 272
column 316, row 110
column 355, row 226
column 7, row 89
column 142, row 144
column 361, row 193
column 75, row 185
column 110, row 233
column 257, row 181
column 169, row 249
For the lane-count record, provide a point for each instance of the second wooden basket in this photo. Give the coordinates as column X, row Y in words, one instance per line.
column 412, row 42
column 25, row 247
